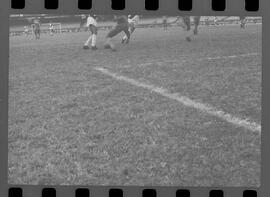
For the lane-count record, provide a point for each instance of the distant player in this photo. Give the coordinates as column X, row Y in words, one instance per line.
column 196, row 20
column 243, row 21
column 26, row 30
column 121, row 25
column 165, row 22
column 51, row 28
column 216, row 21
column 91, row 23
column 36, row 24
column 132, row 26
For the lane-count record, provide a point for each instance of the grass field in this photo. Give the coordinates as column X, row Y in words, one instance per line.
column 71, row 123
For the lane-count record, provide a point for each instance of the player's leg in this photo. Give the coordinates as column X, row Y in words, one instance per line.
column 131, row 30
column 92, row 38
column 127, row 34
column 52, row 31
column 38, row 33
column 186, row 20
column 86, row 44
column 93, row 29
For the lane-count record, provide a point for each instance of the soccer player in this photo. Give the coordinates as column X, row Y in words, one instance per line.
column 121, row 25
column 51, row 29
column 216, row 21
column 242, row 22
column 164, row 21
column 37, row 28
column 196, row 24
column 92, row 25
column 132, row 25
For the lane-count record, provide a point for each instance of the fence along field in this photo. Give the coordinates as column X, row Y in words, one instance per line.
column 72, row 124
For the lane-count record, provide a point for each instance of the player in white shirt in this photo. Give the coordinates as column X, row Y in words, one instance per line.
column 132, row 25
column 51, row 28
column 92, row 25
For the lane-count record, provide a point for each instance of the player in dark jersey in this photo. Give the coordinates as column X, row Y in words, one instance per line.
column 36, row 24
column 121, row 25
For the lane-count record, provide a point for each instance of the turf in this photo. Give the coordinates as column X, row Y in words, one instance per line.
column 70, row 124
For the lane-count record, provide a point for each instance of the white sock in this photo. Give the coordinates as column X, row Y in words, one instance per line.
column 88, row 40
column 94, row 40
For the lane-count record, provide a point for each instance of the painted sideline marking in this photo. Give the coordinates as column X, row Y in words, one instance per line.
column 197, row 59
column 228, row 57
column 252, row 126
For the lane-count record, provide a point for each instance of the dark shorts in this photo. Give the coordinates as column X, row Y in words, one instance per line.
column 117, row 29
column 93, row 29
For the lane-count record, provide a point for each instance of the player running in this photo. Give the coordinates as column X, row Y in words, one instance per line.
column 36, row 24
column 132, row 26
column 121, row 25
column 91, row 23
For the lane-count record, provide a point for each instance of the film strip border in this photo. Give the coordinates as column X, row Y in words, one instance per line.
column 116, row 192
column 183, row 5
column 154, row 6
column 20, row 6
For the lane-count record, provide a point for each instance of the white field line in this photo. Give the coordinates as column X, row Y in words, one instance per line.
column 197, row 59
column 228, row 57
column 239, row 122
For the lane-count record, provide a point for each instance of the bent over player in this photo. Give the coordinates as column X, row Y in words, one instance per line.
column 132, row 22
column 91, row 23
column 121, row 25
